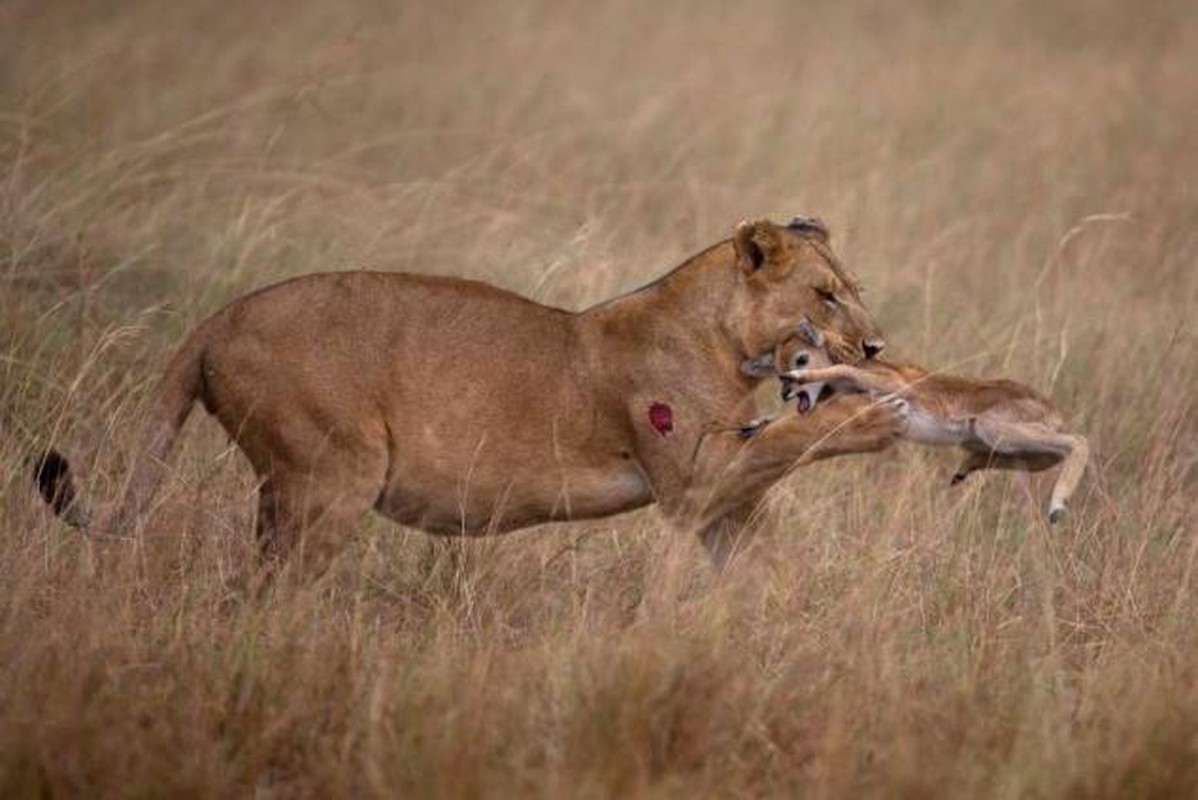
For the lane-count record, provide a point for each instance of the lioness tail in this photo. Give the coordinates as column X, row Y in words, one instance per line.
column 182, row 383
column 52, row 474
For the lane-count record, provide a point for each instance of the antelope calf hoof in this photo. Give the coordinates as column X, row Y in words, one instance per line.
column 1056, row 514
column 898, row 403
column 751, row 429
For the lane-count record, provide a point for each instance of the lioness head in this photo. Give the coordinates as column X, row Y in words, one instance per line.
column 788, row 272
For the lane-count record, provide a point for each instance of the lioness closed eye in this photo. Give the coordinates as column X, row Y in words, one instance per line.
column 1000, row 423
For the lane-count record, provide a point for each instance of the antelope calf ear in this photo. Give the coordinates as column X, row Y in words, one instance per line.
column 759, row 245
column 760, row 367
column 810, row 334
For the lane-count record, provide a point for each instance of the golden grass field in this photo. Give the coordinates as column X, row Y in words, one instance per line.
column 1016, row 183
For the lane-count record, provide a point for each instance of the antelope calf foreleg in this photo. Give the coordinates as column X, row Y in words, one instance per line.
column 1026, row 462
column 974, row 460
column 845, row 374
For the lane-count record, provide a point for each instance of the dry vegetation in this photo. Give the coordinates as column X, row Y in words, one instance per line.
column 1014, row 182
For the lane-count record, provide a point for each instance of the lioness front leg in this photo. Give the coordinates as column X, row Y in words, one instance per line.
column 728, row 535
column 731, row 473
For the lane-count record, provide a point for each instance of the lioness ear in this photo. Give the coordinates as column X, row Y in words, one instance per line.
column 757, row 243
column 811, row 226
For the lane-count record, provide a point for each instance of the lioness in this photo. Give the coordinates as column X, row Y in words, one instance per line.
column 1000, row 423
column 459, row 408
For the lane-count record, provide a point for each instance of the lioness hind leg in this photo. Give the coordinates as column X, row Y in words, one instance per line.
column 300, row 523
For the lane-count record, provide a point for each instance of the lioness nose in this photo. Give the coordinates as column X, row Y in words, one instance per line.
column 873, row 347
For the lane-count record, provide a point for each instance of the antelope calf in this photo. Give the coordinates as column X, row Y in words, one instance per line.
column 1001, row 424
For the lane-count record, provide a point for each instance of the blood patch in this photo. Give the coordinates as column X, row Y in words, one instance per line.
column 661, row 417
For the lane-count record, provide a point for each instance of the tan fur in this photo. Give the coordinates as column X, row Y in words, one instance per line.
column 1000, row 423
column 460, row 408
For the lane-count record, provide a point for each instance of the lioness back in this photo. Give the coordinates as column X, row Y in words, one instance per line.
column 336, row 371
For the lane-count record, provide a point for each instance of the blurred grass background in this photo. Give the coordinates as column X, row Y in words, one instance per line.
column 1013, row 181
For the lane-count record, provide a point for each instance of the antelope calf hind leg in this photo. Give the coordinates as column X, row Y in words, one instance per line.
column 1071, row 473
column 1032, row 447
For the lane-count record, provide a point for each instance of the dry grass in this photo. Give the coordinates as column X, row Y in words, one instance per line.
column 1014, row 182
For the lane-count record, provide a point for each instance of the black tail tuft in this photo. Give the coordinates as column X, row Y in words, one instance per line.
column 52, row 474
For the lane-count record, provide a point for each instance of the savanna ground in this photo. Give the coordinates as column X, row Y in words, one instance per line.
column 1013, row 181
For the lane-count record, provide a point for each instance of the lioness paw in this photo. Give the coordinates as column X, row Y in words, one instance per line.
column 898, row 410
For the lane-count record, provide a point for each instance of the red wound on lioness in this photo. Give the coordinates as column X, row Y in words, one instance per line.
column 661, row 417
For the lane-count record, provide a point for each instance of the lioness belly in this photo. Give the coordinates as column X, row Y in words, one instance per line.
column 480, row 504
